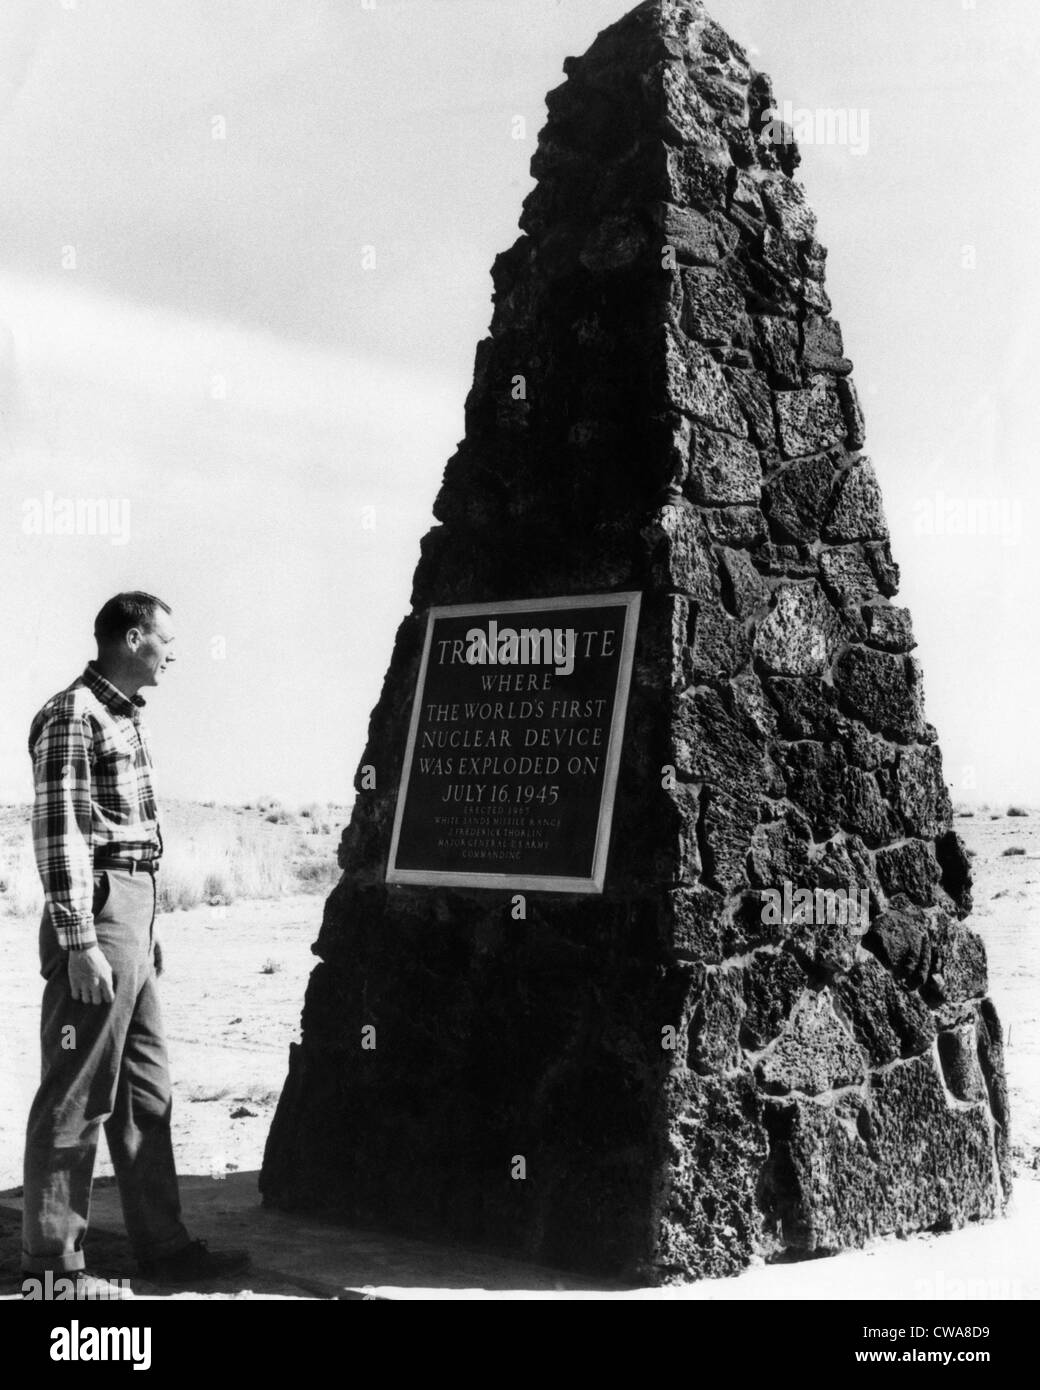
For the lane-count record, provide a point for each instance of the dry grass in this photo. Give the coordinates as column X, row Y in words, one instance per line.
column 213, row 854
column 219, row 862
column 20, row 891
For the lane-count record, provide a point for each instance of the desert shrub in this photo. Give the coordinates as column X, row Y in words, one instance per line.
column 318, row 818
column 224, row 861
column 1017, row 811
column 176, row 891
column 22, row 892
column 212, row 856
column 1013, row 852
column 318, row 872
column 217, row 889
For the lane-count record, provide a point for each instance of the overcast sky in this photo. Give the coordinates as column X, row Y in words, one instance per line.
column 190, row 194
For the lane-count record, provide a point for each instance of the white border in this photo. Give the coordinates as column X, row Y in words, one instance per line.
column 527, row 882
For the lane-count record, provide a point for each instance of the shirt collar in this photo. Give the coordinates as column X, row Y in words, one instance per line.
column 110, row 694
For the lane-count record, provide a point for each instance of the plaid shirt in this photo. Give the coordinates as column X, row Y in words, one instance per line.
column 93, row 774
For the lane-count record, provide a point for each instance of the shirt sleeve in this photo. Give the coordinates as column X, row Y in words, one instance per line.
column 61, row 824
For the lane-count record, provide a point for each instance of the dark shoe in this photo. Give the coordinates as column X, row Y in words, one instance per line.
column 194, row 1262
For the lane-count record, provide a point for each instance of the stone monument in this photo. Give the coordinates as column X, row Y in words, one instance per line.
column 649, row 954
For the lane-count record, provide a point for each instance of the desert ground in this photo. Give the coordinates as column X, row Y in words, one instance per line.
column 243, row 889
column 236, row 968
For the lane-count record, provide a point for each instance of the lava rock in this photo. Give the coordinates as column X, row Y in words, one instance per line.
column 909, row 868
column 890, row 629
column 858, row 512
column 800, row 635
column 796, row 499
column 883, row 690
column 810, row 421
column 815, row 1054
column 724, row 471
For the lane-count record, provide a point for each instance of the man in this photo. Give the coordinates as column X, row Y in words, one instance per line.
column 97, row 843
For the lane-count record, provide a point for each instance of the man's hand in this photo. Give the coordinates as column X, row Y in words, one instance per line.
column 90, row 976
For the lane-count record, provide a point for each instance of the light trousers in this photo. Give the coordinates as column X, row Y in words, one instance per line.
column 102, row 1064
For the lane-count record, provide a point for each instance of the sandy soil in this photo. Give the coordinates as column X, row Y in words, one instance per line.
column 1007, row 917
column 233, row 991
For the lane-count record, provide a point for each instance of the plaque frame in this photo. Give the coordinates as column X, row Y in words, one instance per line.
column 549, row 883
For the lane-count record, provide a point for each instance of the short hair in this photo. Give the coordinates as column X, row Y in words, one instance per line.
column 120, row 614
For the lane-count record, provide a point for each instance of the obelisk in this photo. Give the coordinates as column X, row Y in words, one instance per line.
column 674, row 975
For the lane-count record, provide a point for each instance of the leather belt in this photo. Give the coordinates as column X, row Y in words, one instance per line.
column 130, row 866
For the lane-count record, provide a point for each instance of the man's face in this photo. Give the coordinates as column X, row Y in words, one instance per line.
column 153, row 650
